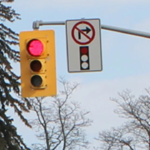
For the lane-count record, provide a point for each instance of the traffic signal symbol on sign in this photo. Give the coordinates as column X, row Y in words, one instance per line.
column 38, row 66
column 84, row 58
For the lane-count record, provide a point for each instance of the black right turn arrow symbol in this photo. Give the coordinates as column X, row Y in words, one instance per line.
column 87, row 30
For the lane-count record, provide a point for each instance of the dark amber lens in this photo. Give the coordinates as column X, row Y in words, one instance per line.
column 36, row 65
column 36, row 81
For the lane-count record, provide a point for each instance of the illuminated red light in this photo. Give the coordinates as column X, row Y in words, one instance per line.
column 35, row 47
column 84, row 50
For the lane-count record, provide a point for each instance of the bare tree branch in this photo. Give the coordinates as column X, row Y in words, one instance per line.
column 135, row 133
column 60, row 121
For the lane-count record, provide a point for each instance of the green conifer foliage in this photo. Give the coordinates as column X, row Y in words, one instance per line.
column 9, row 83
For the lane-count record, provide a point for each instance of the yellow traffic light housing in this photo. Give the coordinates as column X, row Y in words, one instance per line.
column 38, row 64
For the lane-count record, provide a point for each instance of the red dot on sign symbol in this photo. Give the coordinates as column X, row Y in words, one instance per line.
column 84, row 50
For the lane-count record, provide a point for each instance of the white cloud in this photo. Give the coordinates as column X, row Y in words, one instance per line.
column 95, row 97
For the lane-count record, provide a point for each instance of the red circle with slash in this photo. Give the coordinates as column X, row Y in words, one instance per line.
column 90, row 39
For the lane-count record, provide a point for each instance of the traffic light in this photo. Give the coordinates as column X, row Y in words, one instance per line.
column 38, row 66
column 84, row 58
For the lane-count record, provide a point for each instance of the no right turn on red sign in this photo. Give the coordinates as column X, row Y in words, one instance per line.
column 84, row 45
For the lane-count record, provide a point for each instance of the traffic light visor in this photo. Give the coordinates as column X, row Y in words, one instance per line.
column 35, row 47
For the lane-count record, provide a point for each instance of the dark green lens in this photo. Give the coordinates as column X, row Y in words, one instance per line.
column 36, row 81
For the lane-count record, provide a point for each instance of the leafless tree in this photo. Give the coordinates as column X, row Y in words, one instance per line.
column 60, row 122
column 134, row 134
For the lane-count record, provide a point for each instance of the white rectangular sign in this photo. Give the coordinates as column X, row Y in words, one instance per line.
column 84, row 45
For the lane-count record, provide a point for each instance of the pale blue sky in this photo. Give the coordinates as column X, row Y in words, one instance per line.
column 125, row 57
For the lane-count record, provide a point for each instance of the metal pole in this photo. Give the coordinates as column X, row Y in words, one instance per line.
column 126, row 31
column 36, row 25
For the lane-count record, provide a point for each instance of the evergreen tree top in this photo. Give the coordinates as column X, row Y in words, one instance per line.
column 10, row 82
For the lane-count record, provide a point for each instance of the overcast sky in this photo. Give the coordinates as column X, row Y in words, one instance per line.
column 125, row 57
